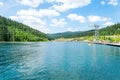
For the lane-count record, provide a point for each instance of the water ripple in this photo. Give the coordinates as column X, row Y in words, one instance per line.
column 58, row 61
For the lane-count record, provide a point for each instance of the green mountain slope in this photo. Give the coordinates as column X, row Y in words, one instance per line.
column 107, row 31
column 14, row 31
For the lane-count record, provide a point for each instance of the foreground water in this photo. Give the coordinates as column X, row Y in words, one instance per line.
column 59, row 61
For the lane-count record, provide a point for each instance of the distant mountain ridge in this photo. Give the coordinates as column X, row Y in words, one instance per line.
column 109, row 30
column 67, row 34
column 14, row 31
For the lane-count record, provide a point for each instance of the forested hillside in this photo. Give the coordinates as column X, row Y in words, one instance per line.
column 107, row 31
column 14, row 31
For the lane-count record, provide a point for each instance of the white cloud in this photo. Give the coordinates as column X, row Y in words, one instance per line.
column 90, row 18
column 63, row 5
column 34, row 22
column 113, row 2
column 93, row 18
column 103, row 2
column 35, row 18
column 109, row 23
column 40, row 13
column 14, row 17
column 30, row 3
column 1, row 3
column 48, row 12
column 29, row 12
column 76, row 17
column 58, row 22
column 39, row 25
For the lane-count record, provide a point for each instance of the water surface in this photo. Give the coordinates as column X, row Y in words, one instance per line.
column 59, row 61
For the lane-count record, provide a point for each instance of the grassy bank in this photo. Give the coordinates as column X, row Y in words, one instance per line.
column 112, row 39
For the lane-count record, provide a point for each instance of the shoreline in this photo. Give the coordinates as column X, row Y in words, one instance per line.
column 110, row 44
column 101, row 43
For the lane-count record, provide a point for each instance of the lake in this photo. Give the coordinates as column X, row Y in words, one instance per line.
column 59, row 61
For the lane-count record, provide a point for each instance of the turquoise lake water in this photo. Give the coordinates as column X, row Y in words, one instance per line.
column 59, row 61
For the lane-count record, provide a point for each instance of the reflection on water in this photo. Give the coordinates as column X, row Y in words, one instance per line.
column 59, row 61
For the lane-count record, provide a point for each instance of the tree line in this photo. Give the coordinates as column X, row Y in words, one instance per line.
column 107, row 31
column 14, row 31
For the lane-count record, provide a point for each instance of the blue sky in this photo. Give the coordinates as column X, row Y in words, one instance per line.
column 53, row 16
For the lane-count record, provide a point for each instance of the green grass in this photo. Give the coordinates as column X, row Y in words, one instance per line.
column 111, row 39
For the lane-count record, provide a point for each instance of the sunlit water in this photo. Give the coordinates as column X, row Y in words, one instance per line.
column 59, row 61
